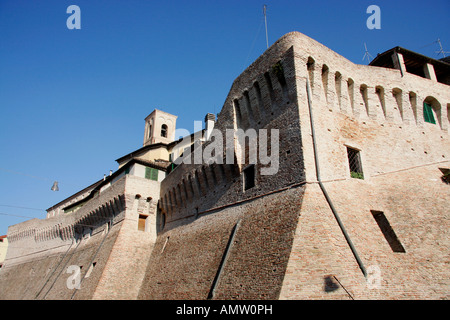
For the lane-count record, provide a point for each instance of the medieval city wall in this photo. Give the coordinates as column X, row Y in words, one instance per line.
column 218, row 240
column 257, row 100
column 237, row 252
column 42, row 250
column 101, row 238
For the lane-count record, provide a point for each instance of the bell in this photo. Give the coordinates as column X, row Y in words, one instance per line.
column 55, row 186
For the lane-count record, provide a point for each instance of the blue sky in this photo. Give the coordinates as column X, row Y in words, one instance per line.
column 73, row 101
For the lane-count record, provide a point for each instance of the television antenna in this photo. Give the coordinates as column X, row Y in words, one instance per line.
column 367, row 54
column 441, row 50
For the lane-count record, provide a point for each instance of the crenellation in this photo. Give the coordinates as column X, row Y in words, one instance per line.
column 338, row 91
column 181, row 195
column 365, row 106
column 258, row 100
column 269, row 89
column 249, row 114
column 183, row 191
column 381, row 109
column 172, row 203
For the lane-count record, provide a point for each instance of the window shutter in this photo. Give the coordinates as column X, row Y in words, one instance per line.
column 147, row 172
column 151, row 173
column 154, row 174
column 428, row 113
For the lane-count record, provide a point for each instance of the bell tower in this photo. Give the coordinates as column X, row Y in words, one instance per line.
column 159, row 127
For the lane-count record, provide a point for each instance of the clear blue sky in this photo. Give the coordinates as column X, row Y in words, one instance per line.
column 73, row 101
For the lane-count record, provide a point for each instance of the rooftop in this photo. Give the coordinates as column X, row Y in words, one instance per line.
column 414, row 63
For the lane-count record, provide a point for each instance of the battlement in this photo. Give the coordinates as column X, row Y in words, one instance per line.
column 36, row 238
column 263, row 97
column 349, row 100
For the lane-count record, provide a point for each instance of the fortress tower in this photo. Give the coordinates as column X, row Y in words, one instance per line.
column 357, row 208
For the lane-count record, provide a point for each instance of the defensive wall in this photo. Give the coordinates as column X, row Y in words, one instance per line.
column 376, row 111
column 310, row 231
column 101, row 238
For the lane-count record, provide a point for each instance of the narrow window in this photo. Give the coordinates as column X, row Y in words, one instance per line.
column 249, row 177
column 354, row 161
column 164, row 131
column 151, row 173
column 141, row 222
column 428, row 113
column 387, row 231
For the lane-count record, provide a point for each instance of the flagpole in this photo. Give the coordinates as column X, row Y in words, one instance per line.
column 265, row 20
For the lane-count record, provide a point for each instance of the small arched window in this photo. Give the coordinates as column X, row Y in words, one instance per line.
column 164, row 131
column 432, row 111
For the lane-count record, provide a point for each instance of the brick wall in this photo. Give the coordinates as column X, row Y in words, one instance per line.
column 401, row 156
column 207, row 237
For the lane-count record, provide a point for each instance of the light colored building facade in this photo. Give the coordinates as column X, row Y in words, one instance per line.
column 3, row 249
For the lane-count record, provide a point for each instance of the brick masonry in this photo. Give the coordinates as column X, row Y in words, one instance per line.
column 208, row 238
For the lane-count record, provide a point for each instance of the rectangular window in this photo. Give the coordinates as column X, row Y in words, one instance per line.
column 141, row 222
column 428, row 113
column 151, row 173
column 387, row 231
column 249, row 177
column 354, row 161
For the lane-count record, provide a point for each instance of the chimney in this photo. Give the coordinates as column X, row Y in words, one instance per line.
column 209, row 124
